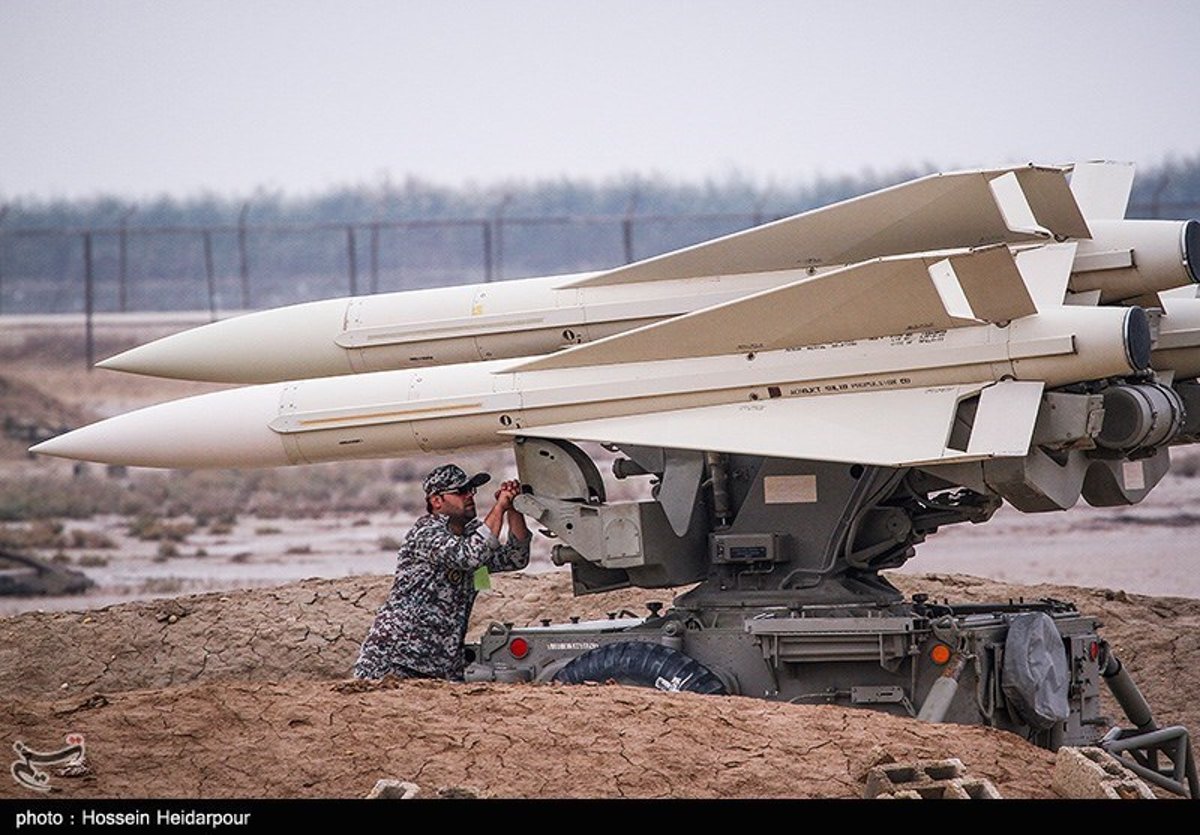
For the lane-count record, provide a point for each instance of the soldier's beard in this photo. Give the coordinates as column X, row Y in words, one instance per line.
column 467, row 514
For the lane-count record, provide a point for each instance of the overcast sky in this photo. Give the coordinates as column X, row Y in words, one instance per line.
column 139, row 98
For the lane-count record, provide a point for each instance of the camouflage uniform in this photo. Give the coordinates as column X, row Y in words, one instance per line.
column 419, row 631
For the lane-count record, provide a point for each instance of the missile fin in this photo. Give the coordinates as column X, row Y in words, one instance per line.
column 993, row 285
column 1005, row 419
column 1190, row 291
column 1088, row 298
column 1053, row 205
column 1102, row 188
column 856, row 427
column 1011, row 201
column 1047, row 272
column 940, row 211
column 878, row 298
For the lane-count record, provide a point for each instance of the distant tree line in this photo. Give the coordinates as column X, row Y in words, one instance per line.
column 415, row 199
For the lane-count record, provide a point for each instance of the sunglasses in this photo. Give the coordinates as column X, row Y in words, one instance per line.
column 466, row 491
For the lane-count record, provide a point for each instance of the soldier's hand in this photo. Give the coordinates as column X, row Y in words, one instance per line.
column 508, row 491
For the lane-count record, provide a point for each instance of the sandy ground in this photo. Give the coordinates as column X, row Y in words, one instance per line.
column 224, row 673
column 246, row 694
column 1149, row 548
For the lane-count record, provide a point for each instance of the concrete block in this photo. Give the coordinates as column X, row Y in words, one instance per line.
column 459, row 793
column 927, row 780
column 1092, row 773
column 393, row 790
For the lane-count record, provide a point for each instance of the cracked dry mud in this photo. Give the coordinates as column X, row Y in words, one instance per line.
column 246, row 694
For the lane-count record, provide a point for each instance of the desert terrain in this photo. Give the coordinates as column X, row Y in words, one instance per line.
column 211, row 656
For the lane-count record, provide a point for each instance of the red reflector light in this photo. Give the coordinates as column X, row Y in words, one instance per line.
column 519, row 647
column 1094, row 650
column 940, row 654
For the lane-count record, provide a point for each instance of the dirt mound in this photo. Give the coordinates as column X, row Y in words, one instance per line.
column 246, row 694
column 323, row 739
column 305, row 630
column 29, row 415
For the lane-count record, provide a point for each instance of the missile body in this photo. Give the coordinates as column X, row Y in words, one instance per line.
column 1178, row 345
column 420, row 328
column 404, row 412
column 1122, row 260
column 1125, row 259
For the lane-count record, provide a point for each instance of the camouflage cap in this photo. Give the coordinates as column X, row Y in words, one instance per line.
column 449, row 477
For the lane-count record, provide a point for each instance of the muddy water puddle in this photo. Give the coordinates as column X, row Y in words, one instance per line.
column 252, row 553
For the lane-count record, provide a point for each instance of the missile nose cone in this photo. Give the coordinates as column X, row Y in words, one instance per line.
column 211, row 353
column 137, row 361
column 53, row 446
column 267, row 346
column 196, row 354
column 222, row 429
column 77, row 445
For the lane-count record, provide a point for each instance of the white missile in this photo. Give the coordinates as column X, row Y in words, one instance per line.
column 805, row 370
column 1177, row 348
column 1022, row 207
column 420, row 328
column 1126, row 259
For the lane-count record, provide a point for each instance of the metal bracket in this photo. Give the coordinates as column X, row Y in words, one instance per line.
column 1143, row 749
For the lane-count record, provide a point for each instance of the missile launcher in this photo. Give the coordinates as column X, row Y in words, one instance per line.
column 810, row 400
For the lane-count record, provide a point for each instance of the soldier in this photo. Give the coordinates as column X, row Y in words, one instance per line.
column 419, row 630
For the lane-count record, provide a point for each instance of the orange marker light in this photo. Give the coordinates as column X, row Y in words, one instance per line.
column 940, row 654
column 519, row 647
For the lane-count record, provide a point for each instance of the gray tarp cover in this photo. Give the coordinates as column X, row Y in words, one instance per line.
column 1036, row 674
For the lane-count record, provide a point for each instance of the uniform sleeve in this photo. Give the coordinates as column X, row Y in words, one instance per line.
column 475, row 548
column 512, row 556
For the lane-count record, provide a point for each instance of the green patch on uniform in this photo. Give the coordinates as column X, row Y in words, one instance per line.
column 483, row 580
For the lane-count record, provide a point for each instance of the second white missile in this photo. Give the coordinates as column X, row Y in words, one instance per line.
column 398, row 413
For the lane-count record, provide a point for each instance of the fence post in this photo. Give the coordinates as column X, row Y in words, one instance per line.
column 209, row 275
column 1155, row 201
column 88, row 302
column 350, row 251
column 123, row 261
column 374, row 257
column 627, row 226
column 487, row 250
column 243, row 261
column 498, row 218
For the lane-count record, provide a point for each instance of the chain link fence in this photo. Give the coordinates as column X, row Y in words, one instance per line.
column 243, row 267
